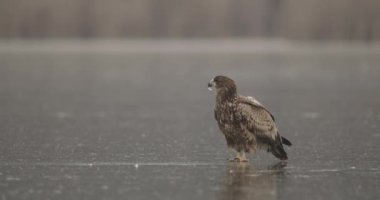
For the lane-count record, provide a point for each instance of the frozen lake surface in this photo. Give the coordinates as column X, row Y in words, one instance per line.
column 135, row 120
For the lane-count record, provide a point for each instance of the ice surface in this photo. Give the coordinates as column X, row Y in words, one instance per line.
column 98, row 125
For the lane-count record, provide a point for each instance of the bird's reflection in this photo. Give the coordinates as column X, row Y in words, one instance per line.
column 244, row 181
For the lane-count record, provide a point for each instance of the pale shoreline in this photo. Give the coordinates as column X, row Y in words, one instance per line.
column 185, row 46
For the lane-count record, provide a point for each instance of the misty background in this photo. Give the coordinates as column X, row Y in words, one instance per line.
column 294, row 19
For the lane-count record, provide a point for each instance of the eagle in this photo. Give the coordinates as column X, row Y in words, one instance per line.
column 245, row 123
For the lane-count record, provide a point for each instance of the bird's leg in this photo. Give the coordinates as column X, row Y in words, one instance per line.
column 237, row 157
column 243, row 158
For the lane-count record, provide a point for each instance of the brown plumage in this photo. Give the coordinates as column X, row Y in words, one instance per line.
column 246, row 124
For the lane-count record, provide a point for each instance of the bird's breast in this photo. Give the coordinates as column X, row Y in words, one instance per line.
column 225, row 116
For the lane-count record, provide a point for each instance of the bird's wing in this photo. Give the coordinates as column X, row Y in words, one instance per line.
column 256, row 118
column 253, row 102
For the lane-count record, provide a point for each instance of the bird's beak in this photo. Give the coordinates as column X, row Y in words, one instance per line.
column 211, row 84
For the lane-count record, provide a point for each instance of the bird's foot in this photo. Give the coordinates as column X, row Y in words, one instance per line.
column 237, row 159
column 240, row 157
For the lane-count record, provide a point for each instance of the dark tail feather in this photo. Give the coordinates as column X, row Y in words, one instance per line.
column 286, row 141
column 279, row 152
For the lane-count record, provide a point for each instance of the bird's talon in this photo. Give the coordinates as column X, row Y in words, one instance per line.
column 238, row 160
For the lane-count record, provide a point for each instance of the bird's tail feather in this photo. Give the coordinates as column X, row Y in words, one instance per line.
column 286, row 141
column 279, row 152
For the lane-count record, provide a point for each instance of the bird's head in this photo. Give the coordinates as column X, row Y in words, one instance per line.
column 222, row 84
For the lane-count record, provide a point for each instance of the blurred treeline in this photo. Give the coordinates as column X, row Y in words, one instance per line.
column 298, row 19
